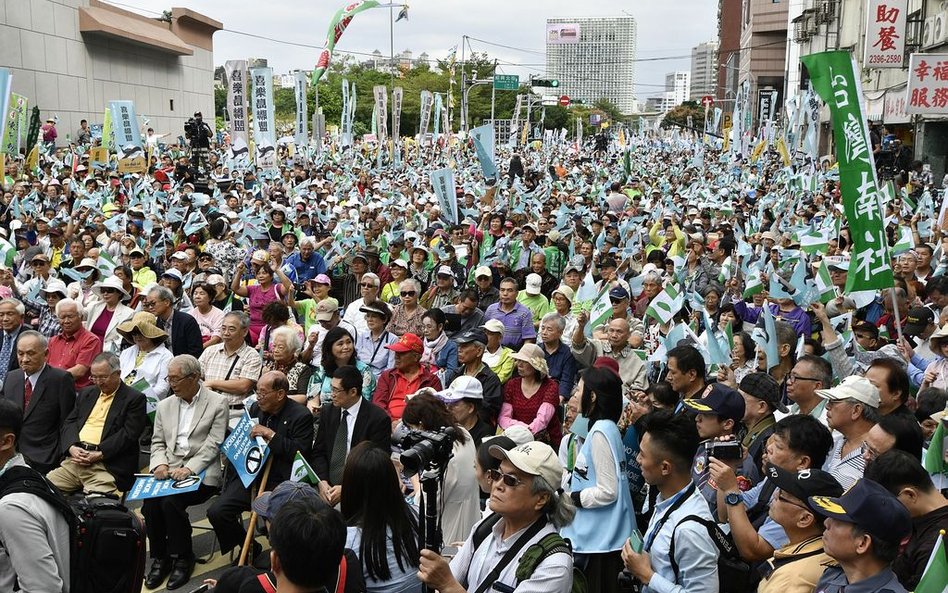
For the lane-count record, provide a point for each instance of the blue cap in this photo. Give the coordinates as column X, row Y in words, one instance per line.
column 721, row 400
column 269, row 503
column 618, row 293
column 870, row 507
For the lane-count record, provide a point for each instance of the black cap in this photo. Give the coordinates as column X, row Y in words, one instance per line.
column 870, row 507
column 918, row 319
column 763, row 387
column 472, row 335
column 719, row 399
column 804, row 483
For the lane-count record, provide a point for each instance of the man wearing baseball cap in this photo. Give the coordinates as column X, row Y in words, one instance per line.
column 798, row 565
column 864, row 528
column 487, row 293
column 719, row 414
column 852, row 408
column 406, row 378
column 761, row 394
column 471, row 347
column 527, row 502
column 465, row 398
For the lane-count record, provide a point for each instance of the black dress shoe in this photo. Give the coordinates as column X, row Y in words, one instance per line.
column 181, row 573
column 160, row 568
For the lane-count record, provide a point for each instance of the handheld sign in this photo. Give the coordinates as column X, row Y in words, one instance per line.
column 247, row 454
column 148, row 486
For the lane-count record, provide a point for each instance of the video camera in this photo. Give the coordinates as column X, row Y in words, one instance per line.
column 197, row 131
column 422, row 449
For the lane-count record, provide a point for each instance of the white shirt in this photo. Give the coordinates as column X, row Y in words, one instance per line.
column 34, row 377
column 351, row 422
column 185, row 418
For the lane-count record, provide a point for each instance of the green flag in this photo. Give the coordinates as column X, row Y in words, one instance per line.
column 935, row 574
column 934, row 460
column 833, row 75
column 824, row 284
column 303, row 471
column 665, row 304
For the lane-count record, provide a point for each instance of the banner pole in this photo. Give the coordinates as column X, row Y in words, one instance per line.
column 248, row 541
column 895, row 313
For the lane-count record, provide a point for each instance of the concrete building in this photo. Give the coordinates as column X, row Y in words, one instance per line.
column 593, row 58
column 841, row 24
column 763, row 59
column 71, row 57
column 678, row 87
column 729, row 52
column 704, row 70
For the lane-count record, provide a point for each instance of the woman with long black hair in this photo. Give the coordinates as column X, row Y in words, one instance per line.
column 382, row 526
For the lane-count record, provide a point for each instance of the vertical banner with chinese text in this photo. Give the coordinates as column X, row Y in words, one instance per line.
column 302, row 133
column 885, row 34
column 264, row 136
column 128, row 138
column 236, row 72
column 833, row 75
column 16, row 125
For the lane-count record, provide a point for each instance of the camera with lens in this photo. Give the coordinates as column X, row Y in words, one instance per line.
column 197, row 131
column 423, row 449
column 628, row 583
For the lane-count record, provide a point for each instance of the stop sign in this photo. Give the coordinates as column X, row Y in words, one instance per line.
column 707, row 101
column 564, row 101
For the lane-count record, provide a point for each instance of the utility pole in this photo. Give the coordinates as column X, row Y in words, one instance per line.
column 463, row 125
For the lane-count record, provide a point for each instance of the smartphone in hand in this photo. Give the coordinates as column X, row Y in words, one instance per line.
column 635, row 540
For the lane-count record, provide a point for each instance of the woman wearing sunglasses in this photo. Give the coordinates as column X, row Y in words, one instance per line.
column 108, row 312
column 408, row 316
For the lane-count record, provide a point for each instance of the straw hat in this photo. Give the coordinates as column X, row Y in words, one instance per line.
column 110, row 282
column 533, row 355
column 145, row 323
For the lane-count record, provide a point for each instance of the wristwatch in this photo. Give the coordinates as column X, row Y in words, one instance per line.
column 733, row 499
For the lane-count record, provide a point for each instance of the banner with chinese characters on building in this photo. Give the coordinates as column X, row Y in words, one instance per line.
column 264, row 136
column 927, row 92
column 835, row 80
column 885, row 34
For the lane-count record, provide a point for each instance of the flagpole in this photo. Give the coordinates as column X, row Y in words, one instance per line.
column 391, row 49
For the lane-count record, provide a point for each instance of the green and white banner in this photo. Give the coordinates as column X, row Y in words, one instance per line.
column 261, row 102
column 337, row 26
column 15, row 126
column 833, row 75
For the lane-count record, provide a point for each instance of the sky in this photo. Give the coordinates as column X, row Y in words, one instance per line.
column 665, row 29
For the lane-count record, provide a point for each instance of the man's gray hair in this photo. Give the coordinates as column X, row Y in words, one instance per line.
column 869, row 414
column 188, row 365
column 111, row 359
column 162, row 292
column 292, row 337
column 32, row 333
column 69, row 303
column 653, row 276
column 242, row 318
column 559, row 508
column 17, row 304
column 556, row 319
column 373, row 277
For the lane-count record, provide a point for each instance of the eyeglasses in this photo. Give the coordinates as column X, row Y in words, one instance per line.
column 38, row 262
column 408, row 293
column 796, row 504
column 367, row 285
column 866, row 448
column 792, row 377
column 97, row 378
column 176, row 380
column 510, row 480
column 108, row 290
column 148, row 304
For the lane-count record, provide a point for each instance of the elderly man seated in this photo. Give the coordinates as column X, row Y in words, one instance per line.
column 232, row 367
column 100, row 435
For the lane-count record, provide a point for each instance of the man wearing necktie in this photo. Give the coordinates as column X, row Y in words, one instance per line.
column 11, row 322
column 47, row 395
column 346, row 421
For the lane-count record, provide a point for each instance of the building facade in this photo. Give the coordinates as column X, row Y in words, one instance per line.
column 704, row 70
column 593, row 58
column 729, row 52
column 763, row 58
column 678, row 87
column 71, row 57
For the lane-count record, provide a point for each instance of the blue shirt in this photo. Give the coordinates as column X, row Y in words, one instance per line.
column 308, row 269
column 518, row 324
column 695, row 552
column 562, row 367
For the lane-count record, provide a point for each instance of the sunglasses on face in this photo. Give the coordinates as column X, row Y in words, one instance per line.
column 510, row 480
column 38, row 262
column 408, row 293
column 367, row 285
column 108, row 290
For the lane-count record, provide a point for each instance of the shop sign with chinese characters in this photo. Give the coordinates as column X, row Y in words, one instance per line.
column 885, row 34
column 927, row 92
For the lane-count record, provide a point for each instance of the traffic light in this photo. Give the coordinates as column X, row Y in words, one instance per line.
column 546, row 82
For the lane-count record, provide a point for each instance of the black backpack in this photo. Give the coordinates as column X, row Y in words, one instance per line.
column 106, row 542
column 734, row 574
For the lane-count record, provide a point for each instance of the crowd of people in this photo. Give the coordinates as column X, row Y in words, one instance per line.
column 637, row 354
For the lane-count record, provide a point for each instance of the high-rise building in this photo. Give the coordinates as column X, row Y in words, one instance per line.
column 729, row 52
column 704, row 69
column 678, row 87
column 763, row 61
column 593, row 59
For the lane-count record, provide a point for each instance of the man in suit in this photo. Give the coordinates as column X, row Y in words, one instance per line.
column 47, row 396
column 189, row 430
column 287, row 427
column 364, row 421
column 100, row 436
column 11, row 322
column 184, row 334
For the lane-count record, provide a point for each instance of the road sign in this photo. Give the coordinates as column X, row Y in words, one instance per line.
column 707, row 101
column 727, row 120
column 506, row 82
column 549, row 101
column 564, row 101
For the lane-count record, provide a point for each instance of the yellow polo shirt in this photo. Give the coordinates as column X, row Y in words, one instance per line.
column 92, row 430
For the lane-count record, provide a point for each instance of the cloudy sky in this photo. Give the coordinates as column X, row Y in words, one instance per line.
column 665, row 30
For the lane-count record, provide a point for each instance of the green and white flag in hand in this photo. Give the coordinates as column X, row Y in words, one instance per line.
column 935, row 574
column 665, row 304
column 727, row 270
column 815, row 241
column 301, row 471
column 833, row 75
column 906, row 241
column 7, row 253
column 601, row 310
column 824, row 284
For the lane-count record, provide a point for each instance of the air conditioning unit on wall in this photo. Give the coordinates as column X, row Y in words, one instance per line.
column 935, row 31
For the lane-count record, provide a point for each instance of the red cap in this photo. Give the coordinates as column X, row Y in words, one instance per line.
column 607, row 362
column 407, row 343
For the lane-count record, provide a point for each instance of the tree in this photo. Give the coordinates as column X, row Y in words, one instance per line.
column 220, row 101
column 609, row 109
column 679, row 115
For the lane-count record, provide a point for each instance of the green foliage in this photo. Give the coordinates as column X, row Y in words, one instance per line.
column 220, row 101
column 679, row 115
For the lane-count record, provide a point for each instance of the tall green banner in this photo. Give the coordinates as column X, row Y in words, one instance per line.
column 32, row 136
column 833, row 75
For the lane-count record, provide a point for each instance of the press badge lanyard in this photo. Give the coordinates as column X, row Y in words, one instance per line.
column 679, row 500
